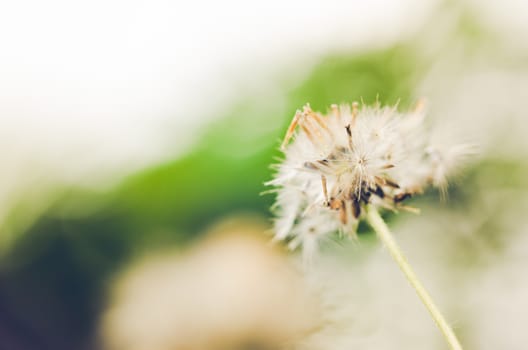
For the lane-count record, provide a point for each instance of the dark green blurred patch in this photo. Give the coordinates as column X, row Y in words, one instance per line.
column 388, row 76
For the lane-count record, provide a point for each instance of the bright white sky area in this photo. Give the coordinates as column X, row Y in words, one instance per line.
column 93, row 90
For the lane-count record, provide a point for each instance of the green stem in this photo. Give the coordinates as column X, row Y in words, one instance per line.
column 385, row 235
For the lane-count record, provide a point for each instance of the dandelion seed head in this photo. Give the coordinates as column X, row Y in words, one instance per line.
column 337, row 163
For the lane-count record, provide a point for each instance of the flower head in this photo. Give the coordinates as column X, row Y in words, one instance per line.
column 353, row 156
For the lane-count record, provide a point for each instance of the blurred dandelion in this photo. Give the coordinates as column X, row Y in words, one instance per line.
column 343, row 166
column 225, row 293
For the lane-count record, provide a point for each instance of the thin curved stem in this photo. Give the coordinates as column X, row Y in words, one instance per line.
column 385, row 235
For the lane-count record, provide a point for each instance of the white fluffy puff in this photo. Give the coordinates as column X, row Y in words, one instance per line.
column 353, row 156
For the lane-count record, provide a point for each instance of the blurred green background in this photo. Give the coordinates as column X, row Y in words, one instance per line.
column 57, row 266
